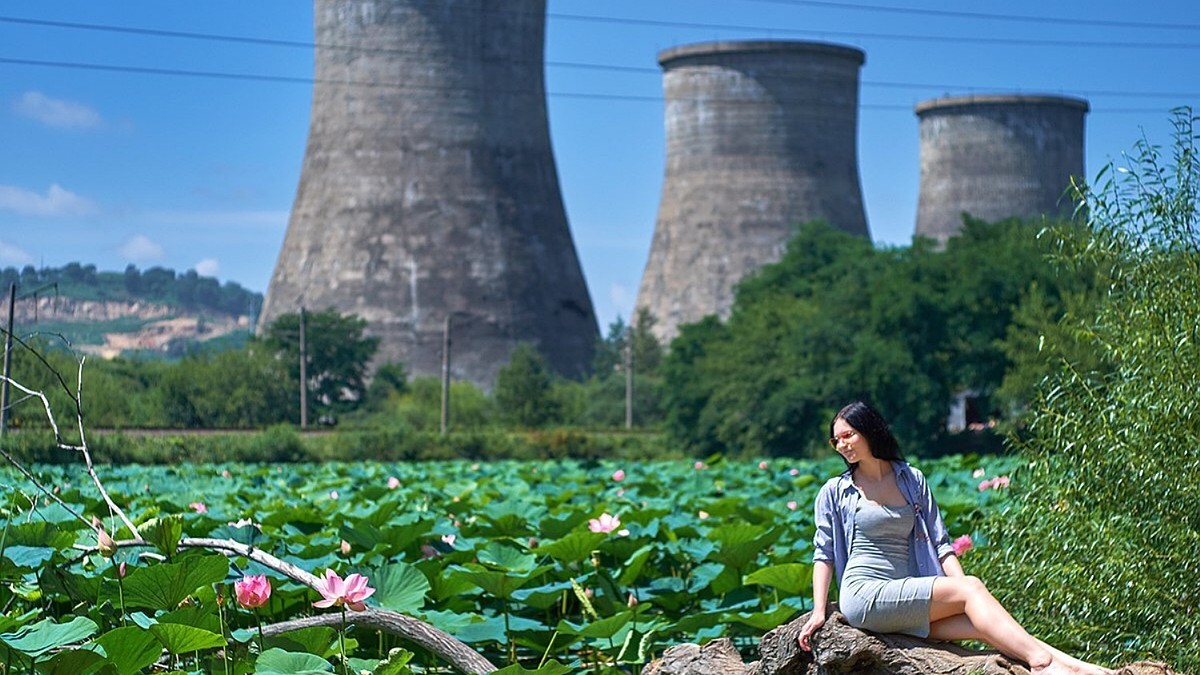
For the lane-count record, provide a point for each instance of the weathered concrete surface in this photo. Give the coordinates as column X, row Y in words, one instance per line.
column 429, row 189
column 995, row 157
column 761, row 137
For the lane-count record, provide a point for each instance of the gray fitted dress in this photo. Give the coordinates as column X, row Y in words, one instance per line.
column 877, row 593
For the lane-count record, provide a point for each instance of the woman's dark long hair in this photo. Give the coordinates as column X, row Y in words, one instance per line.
column 870, row 424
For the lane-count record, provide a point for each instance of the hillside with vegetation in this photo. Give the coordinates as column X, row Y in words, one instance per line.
column 154, row 313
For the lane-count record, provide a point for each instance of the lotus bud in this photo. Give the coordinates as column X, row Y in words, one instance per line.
column 108, row 547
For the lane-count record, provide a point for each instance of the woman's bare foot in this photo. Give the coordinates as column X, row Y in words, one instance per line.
column 1056, row 666
column 1079, row 666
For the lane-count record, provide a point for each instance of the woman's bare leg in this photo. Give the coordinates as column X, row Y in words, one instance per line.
column 968, row 596
column 959, row 627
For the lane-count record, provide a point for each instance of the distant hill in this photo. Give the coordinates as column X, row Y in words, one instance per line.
column 154, row 313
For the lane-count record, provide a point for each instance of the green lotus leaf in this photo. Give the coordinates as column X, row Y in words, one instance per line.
column 399, row 587
column 77, row 662
column 506, row 557
column 601, row 628
column 130, row 648
column 552, row 667
column 573, row 547
column 43, row 636
column 165, row 585
column 791, row 578
column 181, row 639
column 279, row 662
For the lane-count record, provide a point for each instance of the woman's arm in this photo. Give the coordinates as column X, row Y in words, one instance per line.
column 822, row 575
column 952, row 567
column 938, row 535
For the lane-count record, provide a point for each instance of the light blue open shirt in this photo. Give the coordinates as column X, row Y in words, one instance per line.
column 837, row 503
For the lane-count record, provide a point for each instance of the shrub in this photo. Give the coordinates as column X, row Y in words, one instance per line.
column 1098, row 554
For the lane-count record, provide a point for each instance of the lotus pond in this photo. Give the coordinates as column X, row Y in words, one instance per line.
column 548, row 567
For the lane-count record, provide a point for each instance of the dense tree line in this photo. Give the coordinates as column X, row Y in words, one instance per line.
column 255, row 386
column 906, row 328
column 156, row 284
column 835, row 319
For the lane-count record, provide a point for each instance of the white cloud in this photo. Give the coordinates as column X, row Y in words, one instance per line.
column 620, row 296
column 14, row 255
column 58, row 113
column 56, row 202
column 141, row 249
column 208, row 267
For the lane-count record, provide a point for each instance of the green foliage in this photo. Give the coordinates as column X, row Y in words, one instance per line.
column 1098, row 556
column 389, row 381
column 599, row 401
column 337, row 356
column 836, row 320
column 235, row 389
column 419, row 408
column 523, row 389
column 157, row 285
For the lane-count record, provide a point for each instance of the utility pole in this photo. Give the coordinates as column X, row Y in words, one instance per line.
column 12, row 301
column 303, row 369
column 629, row 377
column 446, row 376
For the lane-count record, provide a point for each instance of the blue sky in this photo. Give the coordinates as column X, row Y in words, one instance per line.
column 188, row 172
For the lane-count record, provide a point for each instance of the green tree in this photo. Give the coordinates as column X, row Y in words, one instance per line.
column 389, row 381
column 338, row 353
column 241, row 388
column 837, row 319
column 523, row 389
column 1098, row 554
column 599, row 401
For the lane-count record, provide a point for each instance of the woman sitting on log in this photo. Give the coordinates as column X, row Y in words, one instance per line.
column 880, row 530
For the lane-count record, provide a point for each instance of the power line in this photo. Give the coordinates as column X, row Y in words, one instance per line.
column 776, row 30
column 175, row 72
column 990, row 16
column 986, row 39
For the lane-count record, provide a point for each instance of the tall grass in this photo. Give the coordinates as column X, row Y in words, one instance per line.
column 1100, row 553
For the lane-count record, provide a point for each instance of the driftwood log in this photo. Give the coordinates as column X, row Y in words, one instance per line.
column 840, row 648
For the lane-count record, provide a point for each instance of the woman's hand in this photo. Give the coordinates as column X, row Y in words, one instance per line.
column 814, row 623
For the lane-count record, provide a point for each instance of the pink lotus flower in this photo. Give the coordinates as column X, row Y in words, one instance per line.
column 605, row 523
column 618, row 475
column 1000, row 482
column 699, row 466
column 763, row 465
column 962, row 545
column 393, row 482
column 198, row 507
column 122, row 570
column 794, row 472
column 336, row 592
column 978, row 473
column 345, row 547
column 448, row 539
column 253, row 591
column 333, row 494
column 792, row 506
column 703, row 515
column 985, row 485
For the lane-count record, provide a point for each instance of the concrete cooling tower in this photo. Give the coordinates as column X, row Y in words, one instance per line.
column 995, row 157
column 761, row 137
column 429, row 192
